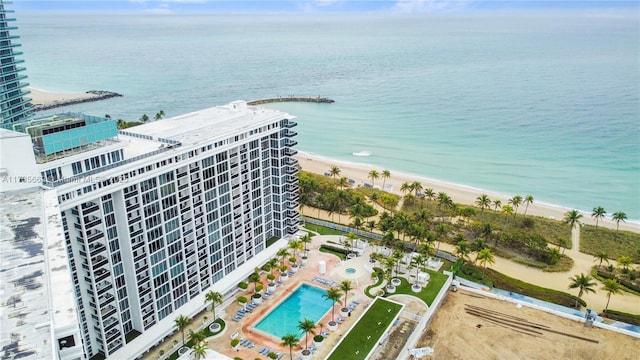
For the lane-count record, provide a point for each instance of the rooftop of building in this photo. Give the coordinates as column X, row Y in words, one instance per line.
column 35, row 288
column 214, row 122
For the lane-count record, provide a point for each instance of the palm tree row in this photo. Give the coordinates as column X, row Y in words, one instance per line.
column 584, row 284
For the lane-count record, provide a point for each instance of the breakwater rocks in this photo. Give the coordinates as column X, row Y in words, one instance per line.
column 291, row 98
column 93, row 95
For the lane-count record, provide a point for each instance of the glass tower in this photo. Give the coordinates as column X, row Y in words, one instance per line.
column 14, row 106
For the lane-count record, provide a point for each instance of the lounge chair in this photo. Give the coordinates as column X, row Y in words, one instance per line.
column 279, row 356
column 324, row 333
column 251, row 345
column 313, row 348
column 356, row 302
column 235, row 319
column 262, row 349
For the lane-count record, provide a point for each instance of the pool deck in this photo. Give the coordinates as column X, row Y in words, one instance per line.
column 245, row 327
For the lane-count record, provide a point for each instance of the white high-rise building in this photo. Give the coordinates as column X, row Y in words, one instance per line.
column 156, row 215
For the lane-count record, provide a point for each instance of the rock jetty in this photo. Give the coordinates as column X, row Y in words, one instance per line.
column 291, row 98
column 95, row 96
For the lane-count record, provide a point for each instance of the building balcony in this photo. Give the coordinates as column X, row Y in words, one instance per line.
column 289, row 152
column 290, row 179
column 291, row 170
column 107, row 310
column 101, row 274
column 290, row 143
column 290, row 124
column 290, row 133
column 292, row 205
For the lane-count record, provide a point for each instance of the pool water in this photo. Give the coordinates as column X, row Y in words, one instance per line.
column 307, row 302
column 350, row 271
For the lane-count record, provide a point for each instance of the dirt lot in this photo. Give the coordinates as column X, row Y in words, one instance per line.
column 470, row 326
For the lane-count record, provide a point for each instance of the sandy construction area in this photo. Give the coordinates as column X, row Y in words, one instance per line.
column 469, row 326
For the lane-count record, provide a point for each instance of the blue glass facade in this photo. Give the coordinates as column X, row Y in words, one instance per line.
column 69, row 139
column 14, row 106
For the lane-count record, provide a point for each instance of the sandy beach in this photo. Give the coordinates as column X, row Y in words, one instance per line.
column 39, row 96
column 459, row 194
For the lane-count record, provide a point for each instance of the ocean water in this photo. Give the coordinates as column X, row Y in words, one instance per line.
column 545, row 104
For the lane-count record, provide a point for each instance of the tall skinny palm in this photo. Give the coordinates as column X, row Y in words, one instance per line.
column 334, row 171
column 598, row 213
column 334, row 295
column 515, row 202
column 528, row 200
column 572, row 218
column 583, row 283
column 373, row 175
column 214, row 298
column 307, row 327
column 617, row 217
column 601, row 256
column 346, row 287
column 462, row 250
column 385, row 175
column 496, row 204
column 483, row 201
column 611, row 287
column 181, row 323
column 290, row 340
column 485, row 256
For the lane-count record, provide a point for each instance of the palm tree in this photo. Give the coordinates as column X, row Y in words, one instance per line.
column 334, row 171
column 598, row 213
column 483, row 201
column 611, row 287
column 385, row 175
column 334, row 295
column 496, row 204
column 214, row 298
column 290, row 340
column 602, row 256
column 346, row 287
column 181, row 323
column 305, row 239
column 416, row 187
column 373, row 175
column 307, row 327
column 515, row 201
column 197, row 336
column 429, row 194
column 144, row 118
column 582, row 282
column 485, row 256
column 295, row 245
column 507, row 209
column 282, row 253
column 572, row 218
column 624, row 261
column 405, row 187
column 617, row 217
column 199, row 350
column 528, row 200
column 462, row 250
column 418, row 260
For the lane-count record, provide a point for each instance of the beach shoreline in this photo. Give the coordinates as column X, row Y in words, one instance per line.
column 46, row 100
column 461, row 194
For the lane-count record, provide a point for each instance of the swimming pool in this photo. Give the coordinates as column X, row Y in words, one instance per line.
column 307, row 302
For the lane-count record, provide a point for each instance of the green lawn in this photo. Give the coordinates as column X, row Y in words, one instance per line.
column 367, row 331
column 429, row 293
column 323, row 230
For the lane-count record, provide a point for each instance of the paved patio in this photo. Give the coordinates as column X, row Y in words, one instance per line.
column 245, row 327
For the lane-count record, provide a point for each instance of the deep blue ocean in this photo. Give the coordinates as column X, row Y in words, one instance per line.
column 546, row 104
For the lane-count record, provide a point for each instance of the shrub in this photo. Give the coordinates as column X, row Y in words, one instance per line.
column 272, row 355
column 243, row 285
column 235, row 342
column 318, row 338
column 335, row 249
column 242, row 299
column 271, row 277
column 161, row 352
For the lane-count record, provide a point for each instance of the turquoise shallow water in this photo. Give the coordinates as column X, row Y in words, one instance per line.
column 543, row 104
